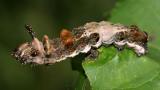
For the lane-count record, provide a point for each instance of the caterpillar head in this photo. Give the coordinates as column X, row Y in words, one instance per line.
column 30, row 52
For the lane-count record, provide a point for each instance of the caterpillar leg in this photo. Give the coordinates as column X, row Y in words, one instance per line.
column 119, row 45
column 93, row 54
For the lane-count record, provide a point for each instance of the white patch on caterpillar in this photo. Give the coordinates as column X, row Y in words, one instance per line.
column 106, row 30
column 138, row 49
column 86, row 49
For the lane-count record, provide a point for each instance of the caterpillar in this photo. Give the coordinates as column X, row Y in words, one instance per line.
column 80, row 40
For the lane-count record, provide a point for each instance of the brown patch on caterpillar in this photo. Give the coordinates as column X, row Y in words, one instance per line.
column 65, row 34
column 68, row 42
column 66, row 37
column 135, row 35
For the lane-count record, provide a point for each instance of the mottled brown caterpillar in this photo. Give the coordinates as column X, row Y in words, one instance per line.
column 80, row 40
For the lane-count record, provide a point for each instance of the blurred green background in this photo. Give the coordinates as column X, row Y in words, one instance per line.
column 46, row 17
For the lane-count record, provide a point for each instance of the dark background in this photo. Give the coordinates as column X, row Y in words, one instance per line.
column 46, row 17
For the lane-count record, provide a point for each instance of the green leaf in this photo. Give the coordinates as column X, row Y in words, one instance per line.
column 124, row 70
column 120, row 70
column 82, row 83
